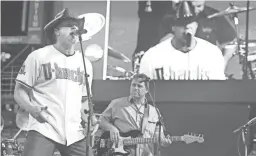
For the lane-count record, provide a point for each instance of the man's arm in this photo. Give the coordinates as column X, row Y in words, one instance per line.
column 106, row 122
column 106, row 119
column 21, row 96
column 106, row 125
column 25, row 81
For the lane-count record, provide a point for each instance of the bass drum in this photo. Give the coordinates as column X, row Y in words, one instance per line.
column 234, row 69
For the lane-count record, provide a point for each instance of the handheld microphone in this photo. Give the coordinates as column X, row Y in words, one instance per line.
column 79, row 32
column 188, row 39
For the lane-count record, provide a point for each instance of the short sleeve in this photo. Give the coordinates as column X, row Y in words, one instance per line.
column 89, row 70
column 29, row 71
column 146, row 66
column 108, row 112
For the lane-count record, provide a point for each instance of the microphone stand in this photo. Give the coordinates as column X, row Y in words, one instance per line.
column 89, row 99
column 244, row 129
column 160, row 124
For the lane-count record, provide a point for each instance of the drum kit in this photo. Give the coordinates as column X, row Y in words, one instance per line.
column 11, row 147
column 246, row 57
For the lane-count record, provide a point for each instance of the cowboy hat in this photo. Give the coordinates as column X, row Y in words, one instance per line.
column 62, row 16
column 185, row 14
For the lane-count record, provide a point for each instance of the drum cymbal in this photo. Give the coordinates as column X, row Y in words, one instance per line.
column 93, row 52
column 116, row 68
column 231, row 10
column 94, row 22
column 113, row 53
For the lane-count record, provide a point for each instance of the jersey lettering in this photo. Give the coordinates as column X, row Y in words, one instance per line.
column 47, row 71
column 163, row 74
column 22, row 70
column 160, row 73
column 63, row 73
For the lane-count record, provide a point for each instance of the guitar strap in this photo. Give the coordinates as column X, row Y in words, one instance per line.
column 143, row 126
column 145, row 118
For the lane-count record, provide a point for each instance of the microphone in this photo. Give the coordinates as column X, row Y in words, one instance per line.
column 251, row 122
column 188, row 38
column 79, row 32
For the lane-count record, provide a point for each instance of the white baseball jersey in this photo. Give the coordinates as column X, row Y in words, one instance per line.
column 164, row 62
column 57, row 81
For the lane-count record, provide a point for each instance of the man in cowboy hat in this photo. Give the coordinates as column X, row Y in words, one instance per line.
column 217, row 31
column 51, row 87
column 184, row 56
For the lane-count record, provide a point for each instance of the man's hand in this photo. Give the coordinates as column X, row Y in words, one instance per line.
column 166, row 141
column 39, row 113
column 93, row 124
column 114, row 134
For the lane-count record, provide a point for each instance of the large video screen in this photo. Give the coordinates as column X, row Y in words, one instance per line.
column 146, row 37
column 141, row 36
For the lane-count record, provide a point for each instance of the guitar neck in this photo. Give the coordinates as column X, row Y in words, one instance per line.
column 134, row 141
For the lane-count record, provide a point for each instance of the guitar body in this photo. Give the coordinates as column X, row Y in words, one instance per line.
column 105, row 147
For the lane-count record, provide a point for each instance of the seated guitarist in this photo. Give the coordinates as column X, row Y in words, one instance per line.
column 128, row 113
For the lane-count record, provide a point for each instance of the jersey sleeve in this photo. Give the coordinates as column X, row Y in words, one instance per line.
column 146, row 66
column 29, row 71
column 217, row 71
column 89, row 70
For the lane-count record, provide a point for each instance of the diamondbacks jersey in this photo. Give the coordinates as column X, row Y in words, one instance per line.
column 164, row 62
column 56, row 81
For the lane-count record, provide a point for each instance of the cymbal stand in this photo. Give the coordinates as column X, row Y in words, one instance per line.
column 235, row 20
column 243, row 54
column 247, row 65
